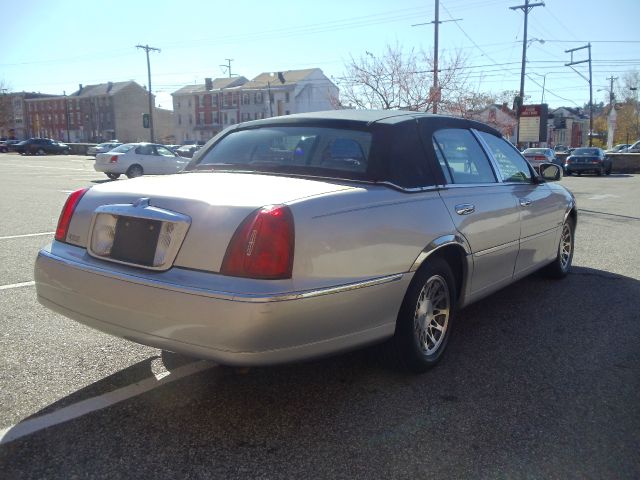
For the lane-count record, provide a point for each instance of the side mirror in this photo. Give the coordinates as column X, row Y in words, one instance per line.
column 550, row 172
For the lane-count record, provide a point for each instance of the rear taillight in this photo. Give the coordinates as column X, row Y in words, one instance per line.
column 539, row 158
column 262, row 246
column 113, row 159
column 67, row 213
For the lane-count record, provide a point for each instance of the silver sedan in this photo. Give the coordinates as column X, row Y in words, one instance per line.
column 306, row 235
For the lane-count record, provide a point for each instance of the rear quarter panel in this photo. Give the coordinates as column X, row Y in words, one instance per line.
column 363, row 233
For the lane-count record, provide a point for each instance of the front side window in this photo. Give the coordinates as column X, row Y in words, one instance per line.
column 290, row 149
column 165, row 152
column 464, row 160
column 512, row 167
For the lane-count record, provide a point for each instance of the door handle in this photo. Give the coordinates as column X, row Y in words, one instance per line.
column 465, row 209
column 525, row 202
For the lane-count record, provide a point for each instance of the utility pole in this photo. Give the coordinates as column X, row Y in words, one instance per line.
column 590, row 80
column 526, row 8
column 435, row 90
column 612, row 97
column 228, row 66
column 146, row 48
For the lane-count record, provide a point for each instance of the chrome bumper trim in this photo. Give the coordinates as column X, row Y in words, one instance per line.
column 222, row 295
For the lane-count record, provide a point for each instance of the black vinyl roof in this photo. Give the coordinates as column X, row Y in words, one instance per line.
column 364, row 118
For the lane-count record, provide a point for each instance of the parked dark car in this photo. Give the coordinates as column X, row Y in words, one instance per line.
column 187, row 151
column 42, row 146
column 8, row 145
column 588, row 159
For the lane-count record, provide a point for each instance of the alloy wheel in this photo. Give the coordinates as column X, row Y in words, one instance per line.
column 431, row 317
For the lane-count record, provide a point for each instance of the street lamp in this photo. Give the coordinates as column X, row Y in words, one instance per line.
column 544, row 82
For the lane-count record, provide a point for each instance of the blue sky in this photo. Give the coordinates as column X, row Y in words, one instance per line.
column 51, row 46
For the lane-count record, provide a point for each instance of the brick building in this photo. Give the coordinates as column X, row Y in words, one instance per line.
column 203, row 110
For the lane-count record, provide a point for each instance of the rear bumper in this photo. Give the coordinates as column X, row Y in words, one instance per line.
column 232, row 328
column 584, row 167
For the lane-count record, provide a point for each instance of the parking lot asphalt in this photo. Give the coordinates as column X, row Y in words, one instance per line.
column 541, row 379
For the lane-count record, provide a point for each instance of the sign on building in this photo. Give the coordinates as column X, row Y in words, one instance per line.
column 533, row 123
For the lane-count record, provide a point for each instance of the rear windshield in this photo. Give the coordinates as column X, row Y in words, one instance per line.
column 585, row 151
column 290, row 149
column 536, row 150
column 124, row 148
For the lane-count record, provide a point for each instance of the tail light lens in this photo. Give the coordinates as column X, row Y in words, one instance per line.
column 539, row 158
column 262, row 246
column 67, row 213
column 113, row 159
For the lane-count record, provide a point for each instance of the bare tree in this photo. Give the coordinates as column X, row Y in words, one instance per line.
column 396, row 80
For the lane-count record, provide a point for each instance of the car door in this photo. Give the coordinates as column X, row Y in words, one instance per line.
column 541, row 212
column 146, row 157
column 483, row 210
column 169, row 161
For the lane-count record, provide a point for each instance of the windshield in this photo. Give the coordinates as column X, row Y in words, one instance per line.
column 292, row 149
column 124, row 148
column 585, row 151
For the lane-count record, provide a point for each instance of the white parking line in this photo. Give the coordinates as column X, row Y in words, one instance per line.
column 17, row 285
column 27, row 235
column 98, row 403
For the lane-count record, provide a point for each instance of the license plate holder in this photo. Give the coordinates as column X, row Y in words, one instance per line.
column 136, row 240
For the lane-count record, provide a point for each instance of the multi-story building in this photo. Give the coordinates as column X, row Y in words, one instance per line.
column 13, row 114
column 569, row 127
column 94, row 113
column 198, row 108
column 203, row 110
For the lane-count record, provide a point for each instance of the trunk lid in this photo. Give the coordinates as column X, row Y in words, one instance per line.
column 216, row 203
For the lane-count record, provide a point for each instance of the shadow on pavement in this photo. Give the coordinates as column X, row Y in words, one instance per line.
column 540, row 380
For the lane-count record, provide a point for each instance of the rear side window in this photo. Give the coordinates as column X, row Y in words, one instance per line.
column 290, row 149
column 461, row 157
column 513, row 168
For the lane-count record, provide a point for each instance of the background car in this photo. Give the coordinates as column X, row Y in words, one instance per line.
column 103, row 147
column 187, row 151
column 305, row 235
column 635, row 148
column 41, row 146
column 536, row 156
column 588, row 159
column 620, row 148
column 136, row 159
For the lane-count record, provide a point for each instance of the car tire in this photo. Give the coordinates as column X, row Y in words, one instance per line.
column 569, row 173
column 134, row 171
column 66, row 151
column 608, row 172
column 423, row 327
column 579, row 174
column 600, row 171
column 561, row 265
column 40, row 151
column 113, row 176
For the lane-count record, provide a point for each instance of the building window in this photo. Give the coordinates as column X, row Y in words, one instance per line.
column 189, row 105
column 286, row 97
column 178, row 104
column 245, row 99
column 179, row 119
column 214, row 99
column 259, row 98
column 234, row 100
column 190, row 119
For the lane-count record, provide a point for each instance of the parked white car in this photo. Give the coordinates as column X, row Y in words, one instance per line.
column 136, row 159
column 103, row 148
